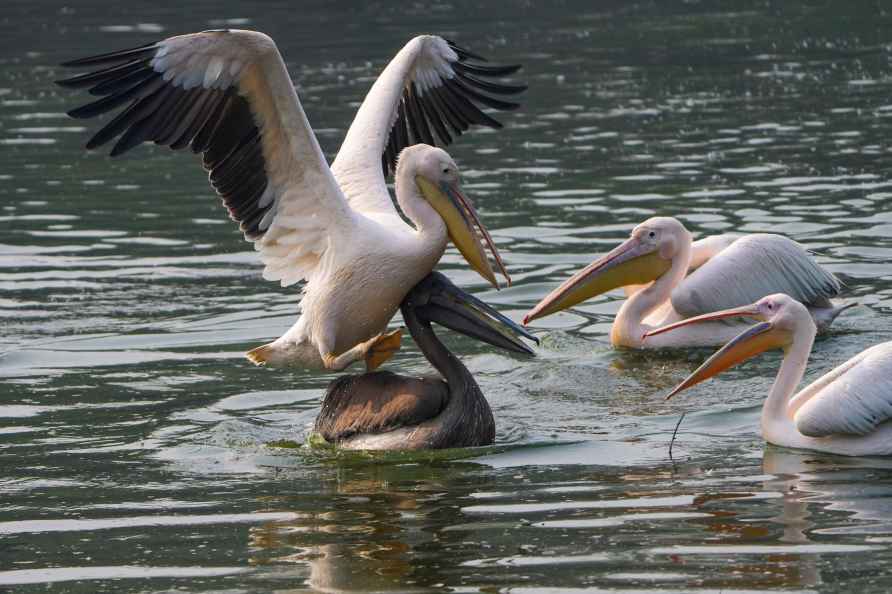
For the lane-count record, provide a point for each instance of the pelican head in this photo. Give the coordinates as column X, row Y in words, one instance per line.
column 644, row 257
column 437, row 178
column 780, row 318
column 436, row 299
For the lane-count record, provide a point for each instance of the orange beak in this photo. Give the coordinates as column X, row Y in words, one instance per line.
column 630, row 263
column 464, row 226
column 749, row 343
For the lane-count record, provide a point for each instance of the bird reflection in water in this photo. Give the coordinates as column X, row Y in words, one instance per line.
column 807, row 496
column 371, row 534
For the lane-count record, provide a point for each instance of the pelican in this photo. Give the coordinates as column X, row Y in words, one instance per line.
column 846, row 411
column 227, row 94
column 385, row 411
column 670, row 277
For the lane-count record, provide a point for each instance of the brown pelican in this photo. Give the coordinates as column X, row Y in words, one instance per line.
column 227, row 94
column 670, row 277
column 385, row 411
column 846, row 411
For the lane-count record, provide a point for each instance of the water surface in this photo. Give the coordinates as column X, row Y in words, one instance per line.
column 135, row 438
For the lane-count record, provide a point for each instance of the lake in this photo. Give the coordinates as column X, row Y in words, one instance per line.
column 138, row 448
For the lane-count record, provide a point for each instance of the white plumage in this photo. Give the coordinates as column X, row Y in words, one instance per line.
column 853, row 399
column 846, row 411
column 749, row 268
column 227, row 94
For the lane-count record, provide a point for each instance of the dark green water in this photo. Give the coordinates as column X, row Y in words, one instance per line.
column 133, row 434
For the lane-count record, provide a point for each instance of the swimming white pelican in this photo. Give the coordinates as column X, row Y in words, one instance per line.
column 727, row 272
column 385, row 411
column 227, row 94
column 847, row 411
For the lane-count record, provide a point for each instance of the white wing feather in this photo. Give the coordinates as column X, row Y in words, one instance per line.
column 852, row 399
column 707, row 248
column 229, row 95
column 751, row 268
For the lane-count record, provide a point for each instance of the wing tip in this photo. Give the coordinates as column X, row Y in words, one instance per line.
column 115, row 56
column 92, row 144
column 67, row 83
column 79, row 113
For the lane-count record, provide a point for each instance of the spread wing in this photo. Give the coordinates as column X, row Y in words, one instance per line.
column 431, row 92
column 227, row 95
column 852, row 399
column 751, row 268
column 378, row 402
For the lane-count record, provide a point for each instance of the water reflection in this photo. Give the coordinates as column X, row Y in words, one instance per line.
column 371, row 536
column 814, row 485
column 127, row 298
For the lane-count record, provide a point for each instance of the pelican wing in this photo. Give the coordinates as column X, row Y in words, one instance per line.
column 852, row 399
column 227, row 95
column 751, row 268
column 377, row 403
column 431, row 92
column 706, row 248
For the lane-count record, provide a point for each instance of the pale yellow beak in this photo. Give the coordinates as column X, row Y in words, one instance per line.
column 465, row 228
column 749, row 343
column 630, row 263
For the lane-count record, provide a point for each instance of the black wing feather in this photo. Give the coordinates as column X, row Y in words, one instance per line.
column 101, row 76
column 466, row 108
column 469, row 92
column 420, row 130
column 494, row 71
column 143, row 51
column 450, row 109
column 124, row 81
column 218, row 123
column 454, row 118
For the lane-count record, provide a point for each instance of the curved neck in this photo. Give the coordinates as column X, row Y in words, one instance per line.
column 777, row 415
column 628, row 327
column 447, row 364
column 467, row 411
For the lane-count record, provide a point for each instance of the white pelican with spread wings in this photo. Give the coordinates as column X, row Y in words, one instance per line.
column 227, row 95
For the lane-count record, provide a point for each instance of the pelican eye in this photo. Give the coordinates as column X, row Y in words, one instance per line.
column 652, row 234
column 445, row 170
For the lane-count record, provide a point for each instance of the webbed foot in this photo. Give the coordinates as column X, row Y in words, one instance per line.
column 382, row 348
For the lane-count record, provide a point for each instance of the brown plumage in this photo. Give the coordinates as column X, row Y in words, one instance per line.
column 386, row 411
column 378, row 402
